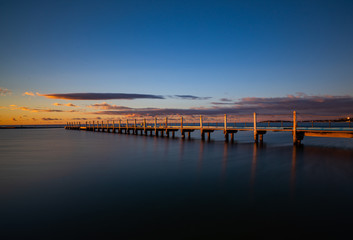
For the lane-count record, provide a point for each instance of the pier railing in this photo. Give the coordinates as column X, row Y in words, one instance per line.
column 299, row 125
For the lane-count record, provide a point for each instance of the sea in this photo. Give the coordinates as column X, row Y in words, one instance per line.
column 67, row 184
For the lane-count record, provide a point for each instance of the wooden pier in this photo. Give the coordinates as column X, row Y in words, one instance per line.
column 165, row 129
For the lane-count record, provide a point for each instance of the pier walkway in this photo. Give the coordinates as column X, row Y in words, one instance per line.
column 167, row 129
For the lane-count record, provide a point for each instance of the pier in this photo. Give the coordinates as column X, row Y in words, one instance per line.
column 168, row 129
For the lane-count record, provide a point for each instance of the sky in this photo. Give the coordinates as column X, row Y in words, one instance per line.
column 66, row 61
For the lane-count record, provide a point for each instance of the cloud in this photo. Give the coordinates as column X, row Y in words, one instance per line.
column 222, row 103
column 5, row 91
column 51, row 119
column 191, row 97
column 28, row 94
column 308, row 106
column 79, row 118
column 15, row 107
column 99, row 96
column 225, row 100
column 106, row 106
column 67, row 104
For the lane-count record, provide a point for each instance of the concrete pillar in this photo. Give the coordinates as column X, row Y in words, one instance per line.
column 113, row 126
column 201, row 125
column 208, row 136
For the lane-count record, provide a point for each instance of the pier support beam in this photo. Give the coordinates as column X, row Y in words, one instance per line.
column 297, row 136
column 255, row 129
column 226, row 137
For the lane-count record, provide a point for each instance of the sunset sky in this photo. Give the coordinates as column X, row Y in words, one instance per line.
column 82, row 60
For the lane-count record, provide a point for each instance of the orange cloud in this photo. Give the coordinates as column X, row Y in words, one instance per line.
column 28, row 94
column 67, row 104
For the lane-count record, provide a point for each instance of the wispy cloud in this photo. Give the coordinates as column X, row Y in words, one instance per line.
column 15, row 107
column 225, row 100
column 51, row 119
column 79, row 118
column 5, row 91
column 28, row 94
column 191, row 97
column 100, row 96
column 112, row 96
column 66, row 104
column 222, row 103
column 106, row 106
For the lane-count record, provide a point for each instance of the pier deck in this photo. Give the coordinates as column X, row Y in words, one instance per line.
column 165, row 129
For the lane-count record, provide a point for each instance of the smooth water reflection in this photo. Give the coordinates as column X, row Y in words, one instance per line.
column 57, row 183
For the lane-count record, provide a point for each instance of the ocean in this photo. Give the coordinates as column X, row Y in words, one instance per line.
column 66, row 184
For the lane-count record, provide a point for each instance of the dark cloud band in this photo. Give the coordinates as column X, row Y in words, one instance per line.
column 100, row 96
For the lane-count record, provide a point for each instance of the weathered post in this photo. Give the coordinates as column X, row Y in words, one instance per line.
column 181, row 128
column 135, row 131
column 127, row 127
column 155, row 126
column 144, row 126
column 201, row 130
column 255, row 128
column 225, row 122
column 113, row 126
column 166, row 127
column 226, row 136
column 295, row 140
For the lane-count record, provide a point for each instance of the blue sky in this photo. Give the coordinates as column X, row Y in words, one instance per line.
column 217, row 49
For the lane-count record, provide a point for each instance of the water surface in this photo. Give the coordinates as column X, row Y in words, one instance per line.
column 58, row 183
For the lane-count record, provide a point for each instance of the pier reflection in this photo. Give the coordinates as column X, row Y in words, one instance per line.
column 293, row 169
column 224, row 162
column 200, row 158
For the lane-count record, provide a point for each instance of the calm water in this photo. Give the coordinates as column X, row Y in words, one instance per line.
column 65, row 184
